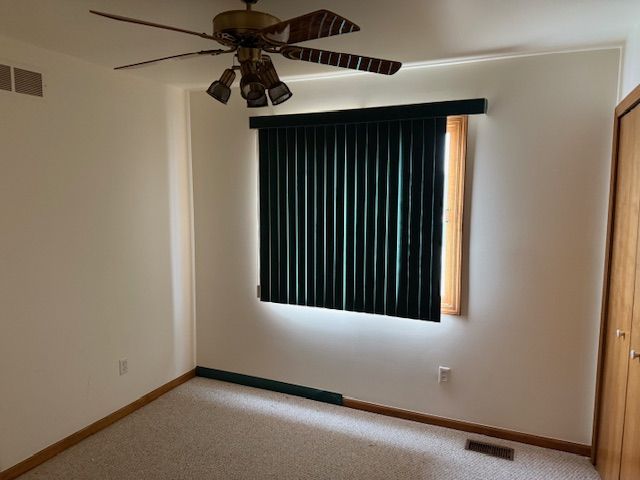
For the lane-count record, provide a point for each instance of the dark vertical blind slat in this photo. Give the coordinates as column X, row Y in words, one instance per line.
column 415, row 215
column 311, row 214
column 351, row 216
column 274, row 224
column 431, row 296
column 359, row 213
column 426, row 221
column 292, row 239
column 404, row 211
column 340, row 208
column 369, row 216
column 330, row 210
column 301, row 213
column 393, row 182
column 381, row 218
column 265, row 254
column 320, row 212
column 282, row 216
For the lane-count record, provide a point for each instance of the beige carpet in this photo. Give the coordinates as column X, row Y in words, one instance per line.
column 207, row 429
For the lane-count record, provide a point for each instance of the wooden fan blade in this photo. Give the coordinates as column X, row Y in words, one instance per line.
column 344, row 60
column 151, row 24
column 320, row 24
column 182, row 56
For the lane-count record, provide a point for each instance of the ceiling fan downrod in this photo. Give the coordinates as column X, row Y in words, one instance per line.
column 250, row 3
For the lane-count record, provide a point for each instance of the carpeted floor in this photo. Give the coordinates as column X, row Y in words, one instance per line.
column 207, row 429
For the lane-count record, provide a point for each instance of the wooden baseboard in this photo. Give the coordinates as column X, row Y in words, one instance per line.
column 53, row 450
column 577, row 448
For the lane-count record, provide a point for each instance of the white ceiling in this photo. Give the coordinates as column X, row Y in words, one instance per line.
column 405, row 30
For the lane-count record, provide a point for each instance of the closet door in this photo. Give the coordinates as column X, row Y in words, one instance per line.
column 620, row 302
column 630, row 464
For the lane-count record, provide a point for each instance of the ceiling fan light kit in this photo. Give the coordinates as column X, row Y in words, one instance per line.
column 251, row 86
column 278, row 90
column 221, row 89
column 249, row 33
column 258, row 102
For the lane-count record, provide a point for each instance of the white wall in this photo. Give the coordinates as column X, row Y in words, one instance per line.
column 524, row 353
column 631, row 63
column 95, row 247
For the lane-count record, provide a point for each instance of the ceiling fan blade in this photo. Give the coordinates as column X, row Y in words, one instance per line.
column 311, row 26
column 181, row 56
column 151, row 24
column 344, row 60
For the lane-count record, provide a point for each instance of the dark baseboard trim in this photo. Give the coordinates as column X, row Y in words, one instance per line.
column 273, row 385
column 53, row 450
column 552, row 443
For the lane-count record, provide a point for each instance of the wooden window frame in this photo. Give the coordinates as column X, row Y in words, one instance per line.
column 453, row 216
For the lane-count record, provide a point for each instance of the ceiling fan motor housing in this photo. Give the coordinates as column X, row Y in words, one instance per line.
column 241, row 22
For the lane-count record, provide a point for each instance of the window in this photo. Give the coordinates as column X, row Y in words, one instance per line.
column 361, row 210
column 454, row 170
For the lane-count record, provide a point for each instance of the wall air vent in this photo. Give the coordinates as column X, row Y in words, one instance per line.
column 490, row 449
column 27, row 82
column 5, row 78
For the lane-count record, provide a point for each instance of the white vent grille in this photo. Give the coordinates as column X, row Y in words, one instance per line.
column 27, row 82
column 5, row 78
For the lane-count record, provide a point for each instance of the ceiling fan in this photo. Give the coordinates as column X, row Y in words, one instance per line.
column 250, row 34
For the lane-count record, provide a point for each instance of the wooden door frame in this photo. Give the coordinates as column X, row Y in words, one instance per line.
column 625, row 106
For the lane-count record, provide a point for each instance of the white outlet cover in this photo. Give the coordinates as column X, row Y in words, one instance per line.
column 124, row 366
column 443, row 374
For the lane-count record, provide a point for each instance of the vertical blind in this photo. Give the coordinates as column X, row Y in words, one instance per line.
column 351, row 216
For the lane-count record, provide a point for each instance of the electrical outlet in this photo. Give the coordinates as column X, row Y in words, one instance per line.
column 124, row 366
column 443, row 374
